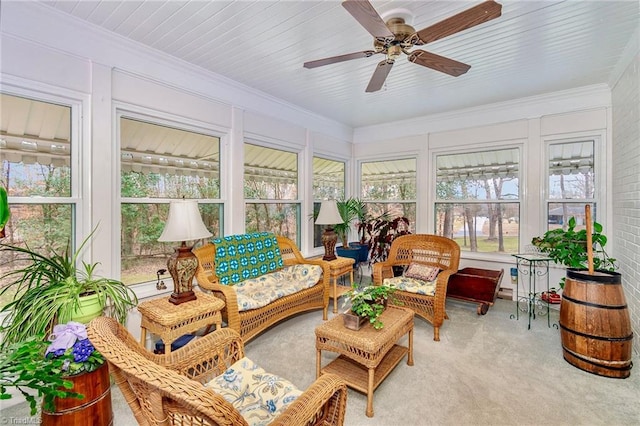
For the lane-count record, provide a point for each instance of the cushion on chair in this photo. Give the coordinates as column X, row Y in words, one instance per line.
column 258, row 292
column 240, row 257
column 421, row 271
column 259, row 396
column 412, row 285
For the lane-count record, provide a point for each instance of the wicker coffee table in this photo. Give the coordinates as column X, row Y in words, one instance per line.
column 366, row 356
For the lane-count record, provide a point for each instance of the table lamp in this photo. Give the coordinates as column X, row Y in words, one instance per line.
column 183, row 224
column 329, row 215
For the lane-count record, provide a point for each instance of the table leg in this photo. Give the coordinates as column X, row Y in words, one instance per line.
column 369, row 411
column 335, row 295
column 318, row 360
column 143, row 337
column 410, row 356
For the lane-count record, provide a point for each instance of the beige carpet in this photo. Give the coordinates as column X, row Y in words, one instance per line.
column 486, row 370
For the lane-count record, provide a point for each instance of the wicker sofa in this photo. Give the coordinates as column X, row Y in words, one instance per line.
column 240, row 312
column 426, row 299
column 206, row 383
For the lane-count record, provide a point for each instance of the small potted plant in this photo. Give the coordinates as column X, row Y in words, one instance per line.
column 367, row 303
column 569, row 247
column 52, row 367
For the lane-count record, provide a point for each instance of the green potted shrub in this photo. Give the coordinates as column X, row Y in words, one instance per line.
column 51, row 289
column 568, row 247
column 367, row 304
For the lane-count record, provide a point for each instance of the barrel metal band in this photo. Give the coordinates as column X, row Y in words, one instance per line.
column 588, row 361
column 591, row 336
column 593, row 305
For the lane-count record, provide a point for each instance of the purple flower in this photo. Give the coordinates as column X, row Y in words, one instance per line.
column 82, row 350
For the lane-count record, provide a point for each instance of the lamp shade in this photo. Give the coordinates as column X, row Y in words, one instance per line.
column 184, row 222
column 329, row 214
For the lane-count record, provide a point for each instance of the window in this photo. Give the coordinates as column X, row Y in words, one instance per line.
column 271, row 191
column 390, row 186
column 478, row 201
column 328, row 183
column 38, row 173
column 160, row 163
column 571, row 183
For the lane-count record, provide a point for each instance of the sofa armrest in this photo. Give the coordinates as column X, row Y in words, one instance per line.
column 380, row 271
column 324, row 402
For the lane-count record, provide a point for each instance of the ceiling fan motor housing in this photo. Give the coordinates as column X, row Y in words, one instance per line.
column 401, row 31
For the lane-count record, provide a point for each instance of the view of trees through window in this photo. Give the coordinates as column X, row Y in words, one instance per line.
column 35, row 151
column 328, row 183
column 390, row 187
column 477, row 200
column 271, row 191
column 571, row 183
column 187, row 168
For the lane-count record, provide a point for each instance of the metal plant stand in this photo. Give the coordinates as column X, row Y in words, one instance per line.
column 533, row 267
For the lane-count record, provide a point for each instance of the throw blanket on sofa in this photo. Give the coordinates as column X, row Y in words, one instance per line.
column 240, row 257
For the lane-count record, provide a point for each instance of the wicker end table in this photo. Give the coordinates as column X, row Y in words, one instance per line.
column 170, row 321
column 366, row 356
column 340, row 266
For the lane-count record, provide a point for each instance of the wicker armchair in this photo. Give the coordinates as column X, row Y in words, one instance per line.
column 431, row 250
column 252, row 322
column 168, row 389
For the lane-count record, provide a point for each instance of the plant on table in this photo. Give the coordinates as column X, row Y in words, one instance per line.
column 569, row 247
column 369, row 302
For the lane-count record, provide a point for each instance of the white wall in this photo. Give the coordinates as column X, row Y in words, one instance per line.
column 626, row 176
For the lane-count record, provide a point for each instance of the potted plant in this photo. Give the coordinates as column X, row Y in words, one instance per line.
column 367, row 304
column 348, row 209
column 569, row 247
column 52, row 289
column 384, row 231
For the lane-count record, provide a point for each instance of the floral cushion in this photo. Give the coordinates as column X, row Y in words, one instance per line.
column 420, row 271
column 260, row 397
column 412, row 285
column 258, row 292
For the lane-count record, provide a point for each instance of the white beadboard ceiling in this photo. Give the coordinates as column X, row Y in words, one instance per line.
column 535, row 47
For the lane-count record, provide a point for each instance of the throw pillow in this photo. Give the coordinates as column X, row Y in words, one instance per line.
column 422, row 272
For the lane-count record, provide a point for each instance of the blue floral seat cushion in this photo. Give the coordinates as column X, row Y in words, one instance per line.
column 258, row 292
column 244, row 256
column 412, row 285
column 258, row 396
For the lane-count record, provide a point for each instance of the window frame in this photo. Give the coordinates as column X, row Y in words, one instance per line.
column 316, row 230
column 80, row 154
column 522, row 200
column 598, row 207
column 127, row 111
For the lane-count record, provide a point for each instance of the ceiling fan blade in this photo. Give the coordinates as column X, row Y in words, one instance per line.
column 367, row 16
column 379, row 75
column 339, row 58
column 483, row 12
column 438, row 63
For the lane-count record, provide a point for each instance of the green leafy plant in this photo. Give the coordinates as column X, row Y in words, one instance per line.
column 51, row 287
column 4, row 210
column 568, row 247
column 23, row 366
column 369, row 302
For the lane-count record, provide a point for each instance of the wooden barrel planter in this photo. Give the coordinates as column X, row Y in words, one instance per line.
column 93, row 410
column 595, row 327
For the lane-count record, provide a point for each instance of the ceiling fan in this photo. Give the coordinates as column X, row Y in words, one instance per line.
column 395, row 37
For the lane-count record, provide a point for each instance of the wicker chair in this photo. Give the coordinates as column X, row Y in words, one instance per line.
column 252, row 322
column 430, row 250
column 168, row 389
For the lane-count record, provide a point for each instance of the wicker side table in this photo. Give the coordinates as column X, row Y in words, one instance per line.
column 170, row 321
column 366, row 356
column 339, row 266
